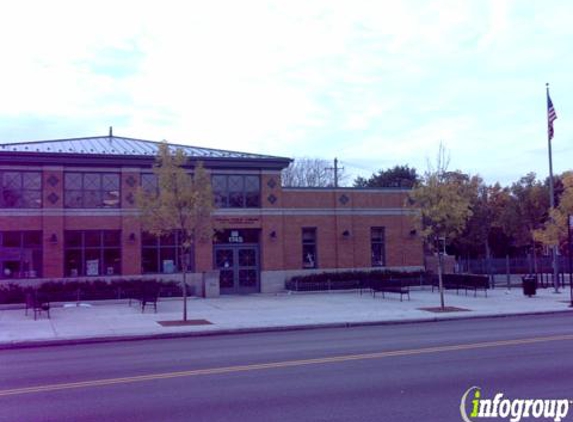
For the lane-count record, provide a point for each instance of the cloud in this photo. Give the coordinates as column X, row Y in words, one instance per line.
column 380, row 83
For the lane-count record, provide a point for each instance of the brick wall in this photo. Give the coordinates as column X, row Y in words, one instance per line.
column 283, row 214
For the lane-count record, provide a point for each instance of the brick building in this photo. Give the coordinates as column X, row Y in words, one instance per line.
column 67, row 211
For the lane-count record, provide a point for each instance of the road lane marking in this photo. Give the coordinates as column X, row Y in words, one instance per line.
column 284, row 364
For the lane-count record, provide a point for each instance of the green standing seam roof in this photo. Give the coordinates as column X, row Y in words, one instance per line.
column 120, row 146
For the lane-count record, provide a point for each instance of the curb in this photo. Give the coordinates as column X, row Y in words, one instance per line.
column 254, row 330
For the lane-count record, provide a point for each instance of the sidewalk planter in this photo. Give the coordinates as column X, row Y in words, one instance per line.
column 529, row 283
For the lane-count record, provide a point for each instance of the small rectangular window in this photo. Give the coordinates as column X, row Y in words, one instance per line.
column 377, row 246
column 309, row 248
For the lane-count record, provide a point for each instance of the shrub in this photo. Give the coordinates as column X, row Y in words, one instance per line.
column 350, row 279
column 71, row 291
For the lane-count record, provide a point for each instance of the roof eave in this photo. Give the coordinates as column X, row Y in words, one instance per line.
column 21, row 158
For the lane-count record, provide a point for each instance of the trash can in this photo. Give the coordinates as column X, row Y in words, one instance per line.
column 529, row 285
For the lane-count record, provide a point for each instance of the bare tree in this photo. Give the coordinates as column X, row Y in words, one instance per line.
column 312, row 172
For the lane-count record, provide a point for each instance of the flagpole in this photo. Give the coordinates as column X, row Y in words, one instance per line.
column 551, row 190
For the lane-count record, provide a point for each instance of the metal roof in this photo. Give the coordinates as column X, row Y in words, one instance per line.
column 120, row 146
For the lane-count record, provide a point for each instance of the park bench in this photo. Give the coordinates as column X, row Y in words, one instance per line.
column 147, row 294
column 390, row 286
column 38, row 303
column 464, row 282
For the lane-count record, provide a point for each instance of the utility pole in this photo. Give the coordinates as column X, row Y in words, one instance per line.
column 335, row 169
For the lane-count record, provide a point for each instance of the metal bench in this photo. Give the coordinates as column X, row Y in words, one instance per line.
column 38, row 303
column 390, row 286
column 464, row 282
column 146, row 295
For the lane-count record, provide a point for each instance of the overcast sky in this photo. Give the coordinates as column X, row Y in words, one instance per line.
column 375, row 83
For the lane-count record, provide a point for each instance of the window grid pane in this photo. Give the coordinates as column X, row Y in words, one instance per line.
column 111, row 182
column 92, row 190
column 21, row 253
column 12, row 180
column 92, row 181
column 236, row 191
column 149, row 183
column 32, row 181
column 73, row 181
column 252, row 184
column 20, row 189
column 163, row 254
column 92, row 253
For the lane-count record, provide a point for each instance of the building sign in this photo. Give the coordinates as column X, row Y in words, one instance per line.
column 235, row 238
column 239, row 221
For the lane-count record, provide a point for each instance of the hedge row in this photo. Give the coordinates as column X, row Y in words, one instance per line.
column 351, row 279
column 465, row 279
column 88, row 290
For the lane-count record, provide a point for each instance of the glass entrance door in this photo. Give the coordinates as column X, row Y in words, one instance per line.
column 238, row 266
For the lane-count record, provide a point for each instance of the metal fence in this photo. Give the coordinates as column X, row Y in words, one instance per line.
column 509, row 271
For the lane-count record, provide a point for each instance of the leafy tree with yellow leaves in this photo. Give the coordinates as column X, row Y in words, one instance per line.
column 181, row 205
column 554, row 231
column 442, row 200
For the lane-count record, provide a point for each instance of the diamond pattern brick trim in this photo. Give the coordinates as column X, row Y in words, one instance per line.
column 53, row 180
column 272, row 199
column 130, row 198
column 344, row 199
column 272, row 183
column 53, row 198
column 130, row 181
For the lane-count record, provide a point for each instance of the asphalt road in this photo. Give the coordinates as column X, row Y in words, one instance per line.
column 413, row 372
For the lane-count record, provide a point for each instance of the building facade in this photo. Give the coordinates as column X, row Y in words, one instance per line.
column 68, row 211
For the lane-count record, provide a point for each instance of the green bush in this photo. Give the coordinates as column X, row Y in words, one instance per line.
column 71, row 291
column 351, row 279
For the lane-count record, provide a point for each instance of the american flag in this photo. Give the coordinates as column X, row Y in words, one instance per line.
column 551, row 116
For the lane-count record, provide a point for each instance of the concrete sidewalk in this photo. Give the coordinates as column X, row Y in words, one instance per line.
column 103, row 321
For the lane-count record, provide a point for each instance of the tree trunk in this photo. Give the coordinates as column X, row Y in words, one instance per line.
column 507, row 272
column 184, row 295
column 184, row 286
column 488, row 262
column 535, row 269
column 440, row 279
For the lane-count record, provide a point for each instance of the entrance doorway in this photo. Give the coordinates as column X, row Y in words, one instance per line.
column 237, row 261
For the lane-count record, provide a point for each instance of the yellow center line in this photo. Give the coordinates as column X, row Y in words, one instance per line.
column 284, row 364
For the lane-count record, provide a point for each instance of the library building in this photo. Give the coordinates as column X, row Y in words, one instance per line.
column 68, row 212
